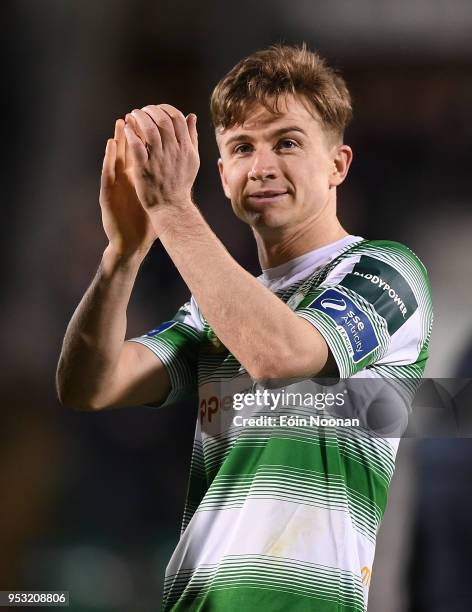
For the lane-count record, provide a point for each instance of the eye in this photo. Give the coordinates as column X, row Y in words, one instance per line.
column 242, row 148
column 287, row 143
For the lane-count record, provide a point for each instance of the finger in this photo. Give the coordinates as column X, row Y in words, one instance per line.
column 148, row 129
column 134, row 124
column 178, row 122
column 138, row 152
column 108, row 168
column 164, row 124
column 192, row 129
column 128, row 157
column 120, row 149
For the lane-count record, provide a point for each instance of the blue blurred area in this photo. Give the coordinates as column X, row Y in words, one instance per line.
column 92, row 503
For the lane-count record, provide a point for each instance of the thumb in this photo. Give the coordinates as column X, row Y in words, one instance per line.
column 192, row 129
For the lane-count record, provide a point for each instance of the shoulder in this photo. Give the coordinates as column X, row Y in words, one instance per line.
column 382, row 263
column 391, row 277
column 396, row 254
column 372, row 303
column 388, row 275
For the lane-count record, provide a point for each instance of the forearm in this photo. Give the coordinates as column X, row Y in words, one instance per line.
column 96, row 333
column 254, row 324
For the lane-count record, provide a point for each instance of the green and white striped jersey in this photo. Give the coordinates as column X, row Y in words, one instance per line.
column 280, row 518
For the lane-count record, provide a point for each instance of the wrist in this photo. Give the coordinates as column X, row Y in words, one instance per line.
column 113, row 260
column 166, row 219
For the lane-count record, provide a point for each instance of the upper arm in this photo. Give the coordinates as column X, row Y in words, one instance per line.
column 373, row 307
column 175, row 346
column 159, row 367
column 140, row 378
column 319, row 359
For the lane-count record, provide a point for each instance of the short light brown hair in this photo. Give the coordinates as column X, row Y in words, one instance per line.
column 266, row 76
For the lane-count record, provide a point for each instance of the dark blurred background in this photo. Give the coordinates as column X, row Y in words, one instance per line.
column 92, row 503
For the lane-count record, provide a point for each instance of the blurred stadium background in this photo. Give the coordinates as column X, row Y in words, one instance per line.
column 92, row 503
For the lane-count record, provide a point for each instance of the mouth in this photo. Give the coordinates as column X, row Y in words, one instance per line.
column 266, row 197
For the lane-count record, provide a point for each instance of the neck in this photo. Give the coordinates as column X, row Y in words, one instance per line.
column 283, row 244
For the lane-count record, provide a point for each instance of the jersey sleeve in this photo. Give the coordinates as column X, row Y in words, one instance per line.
column 373, row 308
column 177, row 343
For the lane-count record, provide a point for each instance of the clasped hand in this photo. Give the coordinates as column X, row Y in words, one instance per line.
column 149, row 167
column 164, row 149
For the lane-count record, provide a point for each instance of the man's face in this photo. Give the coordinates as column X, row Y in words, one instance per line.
column 279, row 170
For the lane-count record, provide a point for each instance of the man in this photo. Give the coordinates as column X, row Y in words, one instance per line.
column 274, row 520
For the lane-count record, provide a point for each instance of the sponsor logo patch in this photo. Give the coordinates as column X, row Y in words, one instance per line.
column 162, row 328
column 384, row 288
column 352, row 323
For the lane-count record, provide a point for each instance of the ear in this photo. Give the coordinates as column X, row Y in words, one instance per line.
column 223, row 179
column 342, row 158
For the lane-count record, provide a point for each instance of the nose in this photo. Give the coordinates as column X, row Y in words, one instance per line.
column 263, row 167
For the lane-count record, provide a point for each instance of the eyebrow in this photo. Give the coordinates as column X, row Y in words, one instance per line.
column 278, row 132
